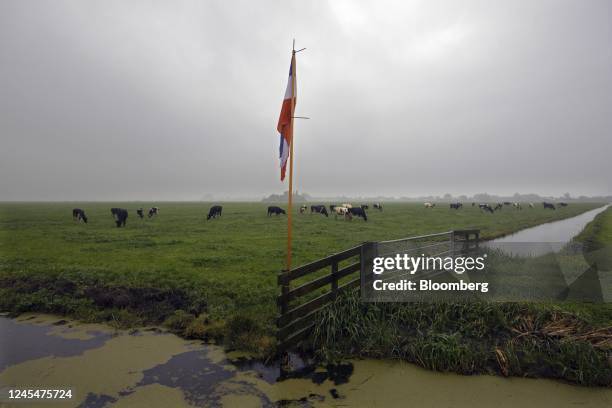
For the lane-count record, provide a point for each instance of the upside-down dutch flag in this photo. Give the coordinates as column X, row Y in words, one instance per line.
column 284, row 126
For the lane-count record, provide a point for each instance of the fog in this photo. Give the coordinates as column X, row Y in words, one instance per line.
column 157, row 100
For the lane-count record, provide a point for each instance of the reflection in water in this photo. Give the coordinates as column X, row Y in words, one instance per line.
column 22, row 342
column 197, row 375
column 117, row 369
column 544, row 238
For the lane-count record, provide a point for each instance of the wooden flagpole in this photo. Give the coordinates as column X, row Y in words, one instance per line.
column 290, row 197
column 284, row 282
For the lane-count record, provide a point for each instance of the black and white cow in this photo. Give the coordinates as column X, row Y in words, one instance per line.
column 303, row 209
column 365, row 206
column 120, row 215
column 378, row 206
column 320, row 209
column 549, row 205
column 153, row 211
column 140, row 213
column 79, row 215
column 486, row 207
column 455, row 206
column 563, row 204
column 214, row 212
column 275, row 210
column 358, row 212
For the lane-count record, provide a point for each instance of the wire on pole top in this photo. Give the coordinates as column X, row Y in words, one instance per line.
column 294, row 50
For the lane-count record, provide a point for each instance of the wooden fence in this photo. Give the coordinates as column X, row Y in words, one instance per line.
column 296, row 319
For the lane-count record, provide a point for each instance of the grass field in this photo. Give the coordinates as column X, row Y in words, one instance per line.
column 223, row 269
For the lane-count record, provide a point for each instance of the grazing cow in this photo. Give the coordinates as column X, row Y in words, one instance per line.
column 120, row 215
column 140, row 212
column 320, row 209
column 518, row 206
column 303, row 209
column 358, row 212
column 498, row 207
column 549, row 205
column 364, row 206
column 455, row 206
column 214, row 212
column 153, row 211
column 531, row 205
column 429, row 205
column 347, row 205
column 562, row 204
column 486, row 207
column 378, row 206
column 79, row 215
column 275, row 210
column 343, row 212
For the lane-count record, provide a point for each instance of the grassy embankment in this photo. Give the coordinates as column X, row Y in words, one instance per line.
column 569, row 341
column 597, row 239
column 204, row 279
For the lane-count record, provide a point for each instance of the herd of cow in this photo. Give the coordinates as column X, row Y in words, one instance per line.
column 119, row 214
column 346, row 210
column 490, row 208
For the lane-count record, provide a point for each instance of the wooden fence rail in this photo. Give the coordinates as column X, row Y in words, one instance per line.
column 296, row 320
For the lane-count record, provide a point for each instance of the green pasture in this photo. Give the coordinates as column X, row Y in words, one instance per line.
column 223, row 268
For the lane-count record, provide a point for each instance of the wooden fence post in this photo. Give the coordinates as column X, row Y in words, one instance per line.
column 334, row 282
column 369, row 250
column 284, row 284
column 283, row 307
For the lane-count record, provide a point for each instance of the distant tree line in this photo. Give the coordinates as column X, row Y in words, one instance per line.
column 480, row 197
column 282, row 198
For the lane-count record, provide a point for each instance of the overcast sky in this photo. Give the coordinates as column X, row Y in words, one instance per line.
column 160, row 100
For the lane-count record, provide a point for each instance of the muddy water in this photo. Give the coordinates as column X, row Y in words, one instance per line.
column 150, row 368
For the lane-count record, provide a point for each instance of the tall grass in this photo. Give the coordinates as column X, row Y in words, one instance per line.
column 469, row 338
